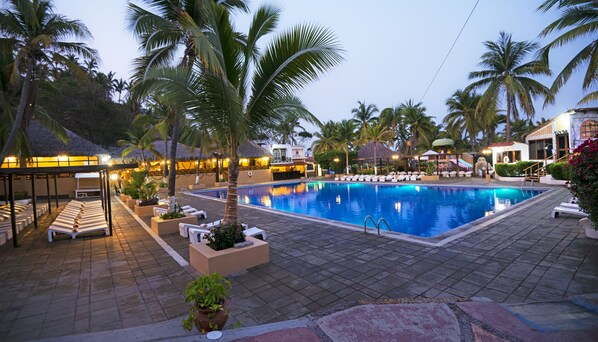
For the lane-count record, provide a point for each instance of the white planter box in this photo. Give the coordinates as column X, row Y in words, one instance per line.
column 508, row 179
column 549, row 180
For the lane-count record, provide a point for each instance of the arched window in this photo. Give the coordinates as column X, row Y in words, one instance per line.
column 588, row 129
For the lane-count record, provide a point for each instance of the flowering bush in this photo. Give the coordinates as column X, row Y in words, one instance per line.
column 584, row 177
column 224, row 237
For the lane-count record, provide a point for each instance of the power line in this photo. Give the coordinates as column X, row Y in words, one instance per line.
column 449, row 51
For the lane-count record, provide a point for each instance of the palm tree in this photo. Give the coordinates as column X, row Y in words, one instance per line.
column 216, row 91
column 394, row 120
column 120, row 85
column 463, row 115
column 345, row 136
column 363, row 115
column 325, row 138
column 507, row 74
column 416, row 119
column 139, row 137
column 37, row 36
column 174, row 25
column 378, row 134
column 580, row 18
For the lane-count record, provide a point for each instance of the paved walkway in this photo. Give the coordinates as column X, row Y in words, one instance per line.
column 89, row 284
column 128, row 280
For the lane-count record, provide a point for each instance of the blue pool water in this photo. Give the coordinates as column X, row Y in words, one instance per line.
column 412, row 209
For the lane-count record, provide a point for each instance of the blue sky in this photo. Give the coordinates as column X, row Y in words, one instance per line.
column 393, row 48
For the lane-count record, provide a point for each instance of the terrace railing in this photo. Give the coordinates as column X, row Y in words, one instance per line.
column 537, row 170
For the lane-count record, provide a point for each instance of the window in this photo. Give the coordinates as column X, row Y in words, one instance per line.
column 588, row 129
column 540, row 149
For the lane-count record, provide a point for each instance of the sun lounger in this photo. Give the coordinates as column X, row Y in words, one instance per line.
column 453, row 174
column 195, row 233
column 255, row 232
column 184, row 227
column 74, row 231
column 567, row 210
column 468, row 173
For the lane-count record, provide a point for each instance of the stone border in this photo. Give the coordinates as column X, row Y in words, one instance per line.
column 435, row 241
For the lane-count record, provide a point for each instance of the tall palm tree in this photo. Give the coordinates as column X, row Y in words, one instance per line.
column 216, row 91
column 325, row 138
column 580, row 19
column 163, row 29
column 38, row 37
column 363, row 115
column 416, row 119
column 345, row 135
column 506, row 74
column 120, row 85
column 463, row 115
column 394, row 120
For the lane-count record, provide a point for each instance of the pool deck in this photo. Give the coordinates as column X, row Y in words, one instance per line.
column 99, row 284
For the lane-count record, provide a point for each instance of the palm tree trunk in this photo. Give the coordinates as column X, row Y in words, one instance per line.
column 232, row 205
column 165, row 175
column 508, row 119
column 172, row 171
column 16, row 124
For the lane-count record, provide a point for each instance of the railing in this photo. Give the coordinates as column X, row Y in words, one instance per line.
column 377, row 225
column 537, row 170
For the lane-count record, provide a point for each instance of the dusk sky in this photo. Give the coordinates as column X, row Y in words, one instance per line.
column 393, row 48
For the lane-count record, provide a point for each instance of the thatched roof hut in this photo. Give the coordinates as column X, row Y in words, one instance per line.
column 184, row 152
column 44, row 144
column 366, row 153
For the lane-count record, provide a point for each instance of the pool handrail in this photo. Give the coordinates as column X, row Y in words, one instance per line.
column 386, row 223
column 365, row 224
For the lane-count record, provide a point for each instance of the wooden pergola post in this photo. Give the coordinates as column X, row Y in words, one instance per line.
column 48, row 193
column 33, row 199
column 56, row 190
column 13, row 215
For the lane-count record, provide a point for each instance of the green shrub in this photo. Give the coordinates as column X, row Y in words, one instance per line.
column 177, row 213
column 513, row 170
column 224, row 237
column 560, row 170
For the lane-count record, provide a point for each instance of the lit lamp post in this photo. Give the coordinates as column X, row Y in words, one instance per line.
column 336, row 160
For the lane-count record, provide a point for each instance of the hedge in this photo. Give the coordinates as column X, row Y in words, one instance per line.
column 559, row 170
column 513, row 170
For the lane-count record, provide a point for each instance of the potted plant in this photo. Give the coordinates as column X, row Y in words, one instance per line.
column 208, row 297
column 169, row 223
column 430, row 169
column 226, row 250
column 148, row 193
column 584, row 183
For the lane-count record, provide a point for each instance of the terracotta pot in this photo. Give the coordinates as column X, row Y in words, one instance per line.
column 205, row 324
column 591, row 232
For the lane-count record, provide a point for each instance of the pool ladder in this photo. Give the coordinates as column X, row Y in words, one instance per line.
column 380, row 221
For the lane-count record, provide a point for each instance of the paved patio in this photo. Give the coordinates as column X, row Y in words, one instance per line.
column 104, row 283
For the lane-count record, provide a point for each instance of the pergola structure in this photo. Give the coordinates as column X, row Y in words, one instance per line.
column 8, row 174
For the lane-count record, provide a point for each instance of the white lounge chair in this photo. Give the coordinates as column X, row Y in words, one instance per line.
column 184, row 227
column 74, row 231
column 567, row 210
column 453, row 174
column 255, row 231
column 468, row 173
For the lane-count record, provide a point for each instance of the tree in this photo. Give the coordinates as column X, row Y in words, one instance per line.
column 363, row 115
column 37, row 36
column 326, row 138
column 580, row 19
column 215, row 92
column 463, row 114
column 345, row 136
column 175, row 25
column 416, row 119
column 119, row 86
column 378, row 134
column 139, row 137
column 394, row 120
column 507, row 74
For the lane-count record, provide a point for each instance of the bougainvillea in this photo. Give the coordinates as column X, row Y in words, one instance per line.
column 584, row 177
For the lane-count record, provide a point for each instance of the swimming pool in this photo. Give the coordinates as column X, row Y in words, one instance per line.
column 423, row 211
